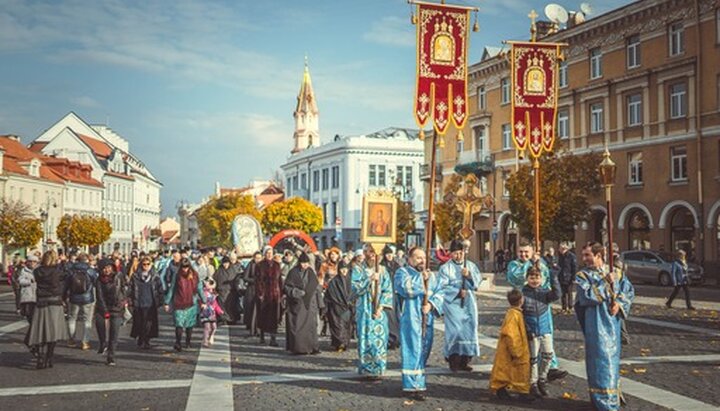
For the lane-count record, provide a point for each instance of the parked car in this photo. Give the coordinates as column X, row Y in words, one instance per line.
column 656, row 267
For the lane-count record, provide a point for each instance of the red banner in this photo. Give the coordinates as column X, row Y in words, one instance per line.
column 441, row 91
column 534, row 95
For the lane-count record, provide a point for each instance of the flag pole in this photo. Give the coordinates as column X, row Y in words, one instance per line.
column 429, row 225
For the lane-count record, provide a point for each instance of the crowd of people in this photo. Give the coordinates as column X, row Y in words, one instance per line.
column 384, row 302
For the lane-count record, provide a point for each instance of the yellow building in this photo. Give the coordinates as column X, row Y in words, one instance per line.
column 645, row 79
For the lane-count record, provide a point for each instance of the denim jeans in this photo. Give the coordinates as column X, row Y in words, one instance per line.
column 109, row 337
column 84, row 314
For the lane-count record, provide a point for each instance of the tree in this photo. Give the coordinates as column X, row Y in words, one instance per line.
column 405, row 220
column 83, row 230
column 216, row 216
column 18, row 227
column 294, row 213
column 566, row 182
column 448, row 219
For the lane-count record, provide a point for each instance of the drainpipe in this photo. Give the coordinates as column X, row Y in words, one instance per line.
column 698, row 138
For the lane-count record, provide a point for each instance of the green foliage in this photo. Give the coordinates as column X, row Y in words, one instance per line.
column 448, row 219
column 83, row 230
column 405, row 220
column 294, row 213
column 216, row 216
column 566, row 182
column 18, row 227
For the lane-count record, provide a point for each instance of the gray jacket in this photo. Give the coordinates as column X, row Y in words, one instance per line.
column 27, row 292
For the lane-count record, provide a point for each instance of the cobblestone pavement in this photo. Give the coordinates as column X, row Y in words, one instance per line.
column 664, row 367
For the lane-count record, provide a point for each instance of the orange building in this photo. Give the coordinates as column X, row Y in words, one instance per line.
column 643, row 79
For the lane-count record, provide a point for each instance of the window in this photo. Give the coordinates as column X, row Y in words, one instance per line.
column 505, row 91
column 381, row 176
column 563, row 74
column 482, row 98
column 408, row 176
column 596, row 118
column 334, row 212
column 295, row 182
column 634, row 109
column 717, row 26
column 563, row 124
column 399, row 174
column 633, row 51
column 325, row 179
column 635, row 171
column 678, row 101
column 34, row 196
column 678, row 163
column 506, row 137
column 324, row 210
column 316, row 180
column 505, row 178
column 460, row 146
column 372, row 178
column 303, row 181
column 676, row 39
column 336, row 177
column 595, row 63
column 480, row 139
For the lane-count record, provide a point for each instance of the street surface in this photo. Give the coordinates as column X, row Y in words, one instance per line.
column 672, row 362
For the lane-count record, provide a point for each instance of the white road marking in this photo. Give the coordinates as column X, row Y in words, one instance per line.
column 211, row 387
column 671, row 358
column 675, row 326
column 12, row 327
column 3, row 295
column 108, row 386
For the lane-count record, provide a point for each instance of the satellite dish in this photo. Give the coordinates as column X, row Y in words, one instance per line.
column 579, row 17
column 556, row 13
column 586, row 8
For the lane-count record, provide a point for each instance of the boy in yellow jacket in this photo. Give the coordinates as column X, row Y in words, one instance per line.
column 511, row 369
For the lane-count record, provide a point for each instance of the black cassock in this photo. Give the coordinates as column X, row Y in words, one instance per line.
column 339, row 300
column 249, row 276
column 227, row 281
column 304, row 301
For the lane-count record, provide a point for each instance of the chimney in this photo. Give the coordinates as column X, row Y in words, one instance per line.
column 217, row 188
column 13, row 137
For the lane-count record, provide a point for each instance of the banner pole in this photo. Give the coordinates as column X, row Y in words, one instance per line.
column 536, row 172
column 429, row 225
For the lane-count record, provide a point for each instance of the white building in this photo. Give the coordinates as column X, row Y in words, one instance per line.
column 131, row 197
column 337, row 174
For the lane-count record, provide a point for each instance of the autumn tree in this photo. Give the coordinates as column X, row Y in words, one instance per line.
column 448, row 219
column 566, row 182
column 216, row 216
column 405, row 220
column 83, row 230
column 18, row 226
column 294, row 213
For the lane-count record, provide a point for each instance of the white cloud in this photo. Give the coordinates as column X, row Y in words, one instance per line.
column 84, row 101
column 391, row 31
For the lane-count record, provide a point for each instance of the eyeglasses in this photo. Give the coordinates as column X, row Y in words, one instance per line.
column 146, row 264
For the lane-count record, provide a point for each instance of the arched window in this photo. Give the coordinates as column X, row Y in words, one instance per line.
column 638, row 230
column 682, row 232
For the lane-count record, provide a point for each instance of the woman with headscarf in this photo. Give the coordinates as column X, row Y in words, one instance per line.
column 184, row 295
column 250, row 276
column 48, row 324
column 226, row 279
column 146, row 295
column 339, row 301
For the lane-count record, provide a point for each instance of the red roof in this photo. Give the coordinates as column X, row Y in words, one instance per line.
column 167, row 236
column 267, row 199
column 114, row 174
column 72, row 171
column 16, row 154
column 37, row 147
column 99, row 148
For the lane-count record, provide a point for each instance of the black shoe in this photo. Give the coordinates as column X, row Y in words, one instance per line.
column 315, row 352
column 273, row 342
column 111, row 362
column 177, row 347
column 623, row 400
column 542, row 387
column 535, row 391
column 101, row 348
column 691, row 308
column 418, row 396
column 466, row 368
column 503, row 394
column 556, row 374
column 668, row 305
column 40, row 363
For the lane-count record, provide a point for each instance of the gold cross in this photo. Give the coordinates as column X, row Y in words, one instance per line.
column 532, row 16
column 533, row 28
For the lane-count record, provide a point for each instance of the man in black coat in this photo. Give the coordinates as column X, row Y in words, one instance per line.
column 567, row 265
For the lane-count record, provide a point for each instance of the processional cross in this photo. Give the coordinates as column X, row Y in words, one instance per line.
column 470, row 201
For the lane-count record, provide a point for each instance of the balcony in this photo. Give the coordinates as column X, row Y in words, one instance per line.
column 425, row 172
column 480, row 163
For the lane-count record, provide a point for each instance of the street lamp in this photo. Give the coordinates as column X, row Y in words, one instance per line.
column 45, row 214
column 608, row 170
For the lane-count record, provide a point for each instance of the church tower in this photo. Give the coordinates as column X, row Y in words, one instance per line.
column 307, row 129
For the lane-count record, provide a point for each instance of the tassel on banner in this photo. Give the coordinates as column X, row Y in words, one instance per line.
column 476, row 26
column 421, row 135
column 460, row 136
column 441, row 142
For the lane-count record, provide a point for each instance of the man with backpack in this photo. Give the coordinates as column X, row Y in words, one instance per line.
column 80, row 293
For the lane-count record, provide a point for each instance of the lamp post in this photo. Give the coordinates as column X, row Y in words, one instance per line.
column 607, row 170
column 45, row 215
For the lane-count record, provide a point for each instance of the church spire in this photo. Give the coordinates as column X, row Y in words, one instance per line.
column 307, row 133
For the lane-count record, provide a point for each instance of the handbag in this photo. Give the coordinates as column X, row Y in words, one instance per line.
column 127, row 316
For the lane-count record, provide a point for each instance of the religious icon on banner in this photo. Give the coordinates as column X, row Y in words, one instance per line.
column 441, row 89
column 534, row 103
column 379, row 218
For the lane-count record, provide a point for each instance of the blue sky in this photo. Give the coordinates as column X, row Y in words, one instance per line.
column 204, row 90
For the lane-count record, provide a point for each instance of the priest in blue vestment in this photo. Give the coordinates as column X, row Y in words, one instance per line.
column 462, row 278
column 416, row 343
column 372, row 285
column 603, row 299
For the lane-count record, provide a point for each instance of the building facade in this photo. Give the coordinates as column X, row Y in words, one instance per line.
column 131, row 197
column 335, row 175
column 644, row 80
